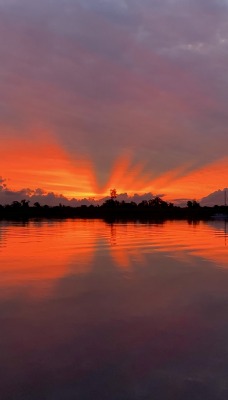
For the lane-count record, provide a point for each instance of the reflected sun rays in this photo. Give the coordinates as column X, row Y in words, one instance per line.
column 35, row 257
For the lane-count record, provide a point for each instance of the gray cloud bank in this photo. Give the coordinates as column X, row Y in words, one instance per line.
column 215, row 198
column 7, row 196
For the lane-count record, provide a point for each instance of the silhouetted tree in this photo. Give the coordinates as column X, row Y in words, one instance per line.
column 113, row 194
column 16, row 204
column 143, row 204
column 157, row 202
column 25, row 203
column 193, row 204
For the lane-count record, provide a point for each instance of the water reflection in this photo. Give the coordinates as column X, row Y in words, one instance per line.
column 43, row 251
column 90, row 310
column 132, row 242
column 46, row 251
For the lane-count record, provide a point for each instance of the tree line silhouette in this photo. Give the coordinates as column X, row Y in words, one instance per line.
column 111, row 209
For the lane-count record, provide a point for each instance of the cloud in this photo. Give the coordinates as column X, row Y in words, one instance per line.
column 215, row 198
column 7, row 196
column 2, row 184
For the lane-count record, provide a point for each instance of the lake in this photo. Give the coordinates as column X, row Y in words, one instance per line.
column 125, row 311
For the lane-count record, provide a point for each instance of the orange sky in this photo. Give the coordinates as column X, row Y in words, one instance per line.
column 43, row 163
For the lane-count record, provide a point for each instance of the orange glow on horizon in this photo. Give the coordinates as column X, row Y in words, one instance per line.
column 199, row 182
column 179, row 182
column 43, row 163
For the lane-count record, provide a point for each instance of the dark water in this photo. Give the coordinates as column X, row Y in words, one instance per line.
column 125, row 311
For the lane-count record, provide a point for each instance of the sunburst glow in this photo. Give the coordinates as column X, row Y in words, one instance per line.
column 43, row 163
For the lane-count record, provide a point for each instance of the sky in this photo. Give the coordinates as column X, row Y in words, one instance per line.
column 125, row 94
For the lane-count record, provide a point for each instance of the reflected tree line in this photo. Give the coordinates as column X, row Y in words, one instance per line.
column 111, row 209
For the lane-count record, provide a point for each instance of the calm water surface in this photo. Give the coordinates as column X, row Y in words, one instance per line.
column 93, row 311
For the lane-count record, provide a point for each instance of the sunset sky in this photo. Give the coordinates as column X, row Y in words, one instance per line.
column 97, row 94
